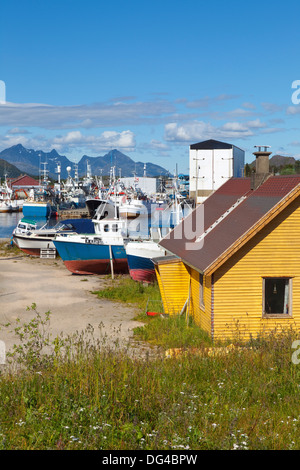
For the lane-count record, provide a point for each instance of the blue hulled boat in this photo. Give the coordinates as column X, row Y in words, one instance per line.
column 36, row 209
column 94, row 253
column 139, row 257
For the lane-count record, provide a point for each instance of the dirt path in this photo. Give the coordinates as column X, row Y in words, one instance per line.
column 48, row 284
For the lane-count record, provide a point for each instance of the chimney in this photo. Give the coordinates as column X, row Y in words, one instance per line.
column 262, row 166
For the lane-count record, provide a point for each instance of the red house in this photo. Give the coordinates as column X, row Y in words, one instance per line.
column 22, row 184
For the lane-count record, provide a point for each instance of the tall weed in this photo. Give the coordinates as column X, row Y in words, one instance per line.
column 89, row 395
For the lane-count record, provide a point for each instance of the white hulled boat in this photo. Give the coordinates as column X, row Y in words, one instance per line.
column 140, row 253
column 31, row 240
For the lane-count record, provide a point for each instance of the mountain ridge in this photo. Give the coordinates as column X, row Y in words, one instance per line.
column 9, row 170
column 278, row 161
column 30, row 161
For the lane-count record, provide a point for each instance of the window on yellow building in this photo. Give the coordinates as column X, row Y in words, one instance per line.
column 277, row 294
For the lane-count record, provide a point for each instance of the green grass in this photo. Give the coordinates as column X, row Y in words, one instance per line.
column 141, row 296
column 7, row 249
column 173, row 332
column 85, row 395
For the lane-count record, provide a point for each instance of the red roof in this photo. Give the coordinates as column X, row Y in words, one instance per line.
column 231, row 222
column 23, row 181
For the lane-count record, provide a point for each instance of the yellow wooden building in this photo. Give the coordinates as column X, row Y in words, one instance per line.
column 238, row 273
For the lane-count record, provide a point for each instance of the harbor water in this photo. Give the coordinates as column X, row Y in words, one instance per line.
column 9, row 220
column 159, row 218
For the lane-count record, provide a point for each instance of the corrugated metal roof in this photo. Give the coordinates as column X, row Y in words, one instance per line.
column 235, row 224
column 165, row 259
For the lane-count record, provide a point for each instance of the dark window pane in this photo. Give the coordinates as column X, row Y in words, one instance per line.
column 277, row 295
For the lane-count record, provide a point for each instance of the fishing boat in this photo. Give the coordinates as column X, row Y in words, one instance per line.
column 102, row 252
column 139, row 257
column 5, row 197
column 140, row 253
column 132, row 208
column 101, row 207
column 5, row 206
column 36, row 209
column 99, row 253
column 31, row 240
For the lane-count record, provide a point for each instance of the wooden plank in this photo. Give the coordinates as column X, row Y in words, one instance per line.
column 48, row 253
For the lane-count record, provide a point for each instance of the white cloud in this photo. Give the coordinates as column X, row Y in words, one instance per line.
column 34, row 142
column 256, row 124
column 209, row 101
column 74, row 140
column 234, row 127
column 272, row 107
column 70, row 138
column 195, row 130
column 85, row 116
column 17, row 130
column 200, row 130
column 249, row 105
column 74, row 128
column 239, row 112
column 109, row 139
column 293, row 110
column 158, row 145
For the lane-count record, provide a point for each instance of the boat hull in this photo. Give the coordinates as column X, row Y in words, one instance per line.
column 96, row 266
column 139, row 257
column 141, row 269
column 92, row 258
column 32, row 209
column 30, row 240
column 32, row 246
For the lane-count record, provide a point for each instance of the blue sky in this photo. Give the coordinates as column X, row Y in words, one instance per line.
column 149, row 78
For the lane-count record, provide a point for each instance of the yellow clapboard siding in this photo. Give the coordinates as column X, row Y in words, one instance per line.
column 174, row 281
column 206, row 313
column 200, row 313
column 194, row 294
column 238, row 287
column 161, row 289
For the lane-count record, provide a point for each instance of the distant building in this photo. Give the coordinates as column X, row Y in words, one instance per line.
column 22, row 185
column 212, row 163
column 23, row 182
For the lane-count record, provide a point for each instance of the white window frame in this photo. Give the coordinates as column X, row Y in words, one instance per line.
column 290, row 304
